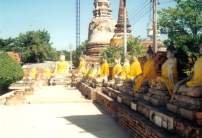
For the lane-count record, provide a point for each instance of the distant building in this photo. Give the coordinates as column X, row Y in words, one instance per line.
column 149, row 41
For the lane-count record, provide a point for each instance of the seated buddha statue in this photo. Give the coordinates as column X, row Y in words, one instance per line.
column 33, row 74
column 117, row 69
column 61, row 70
column 187, row 94
column 149, row 71
column 192, row 85
column 168, row 76
column 135, row 69
column 92, row 72
column 62, row 66
column 47, row 73
column 104, row 70
column 125, row 70
column 82, row 66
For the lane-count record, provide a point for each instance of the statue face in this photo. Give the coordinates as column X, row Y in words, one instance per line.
column 117, row 61
column 126, row 61
column 169, row 54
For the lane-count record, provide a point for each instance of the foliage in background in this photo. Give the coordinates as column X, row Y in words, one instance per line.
column 34, row 46
column 10, row 71
column 76, row 54
column 134, row 49
column 183, row 24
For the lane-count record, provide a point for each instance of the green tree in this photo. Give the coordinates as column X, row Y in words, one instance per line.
column 34, row 46
column 183, row 24
column 134, row 49
column 10, row 71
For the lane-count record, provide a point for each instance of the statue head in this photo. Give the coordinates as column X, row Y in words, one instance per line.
column 149, row 53
column 92, row 66
column 170, row 53
column 200, row 48
column 117, row 60
column 134, row 58
column 103, row 60
column 126, row 60
column 62, row 57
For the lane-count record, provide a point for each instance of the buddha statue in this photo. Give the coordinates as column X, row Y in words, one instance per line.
column 125, row 70
column 161, row 88
column 92, row 72
column 117, row 70
column 47, row 73
column 149, row 71
column 104, row 70
column 186, row 100
column 61, row 71
column 168, row 77
column 135, row 69
column 33, row 74
column 193, row 82
column 62, row 66
column 82, row 66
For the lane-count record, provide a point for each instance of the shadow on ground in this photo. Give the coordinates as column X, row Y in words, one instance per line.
column 100, row 126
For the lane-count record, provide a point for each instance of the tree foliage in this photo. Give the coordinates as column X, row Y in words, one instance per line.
column 183, row 24
column 34, row 46
column 134, row 49
column 10, row 71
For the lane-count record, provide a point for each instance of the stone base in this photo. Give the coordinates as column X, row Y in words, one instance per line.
column 159, row 117
column 156, row 97
column 87, row 91
column 194, row 92
column 17, row 94
column 188, row 107
column 136, row 124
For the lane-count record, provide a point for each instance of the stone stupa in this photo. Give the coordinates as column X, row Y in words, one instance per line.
column 101, row 29
column 118, row 38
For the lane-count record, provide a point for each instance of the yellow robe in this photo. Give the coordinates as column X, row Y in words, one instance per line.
column 82, row 67
column 135, row 69
column 169, row 68
column 197, row 76
column 125, row 71
column 61, row 67
column 117, row 69
column 33, row 73
column 47, row 73
column 92, row 73
column 104, row 70
column 149, row 73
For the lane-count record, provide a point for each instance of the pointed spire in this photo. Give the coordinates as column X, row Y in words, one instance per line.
column 120, row 22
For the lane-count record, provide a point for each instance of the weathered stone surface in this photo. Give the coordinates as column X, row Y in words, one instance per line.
column 101, row 29
column 155, row 97
column 187, row 102
column 172, row 108
column 191, row 92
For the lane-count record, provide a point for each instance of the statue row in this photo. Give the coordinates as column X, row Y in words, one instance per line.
column 134, row 72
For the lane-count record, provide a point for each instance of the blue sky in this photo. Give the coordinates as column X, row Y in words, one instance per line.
column 58, row 17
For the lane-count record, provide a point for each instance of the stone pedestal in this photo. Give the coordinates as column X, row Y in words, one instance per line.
column 157, row 97
column 187, row 104
column 155, row 113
